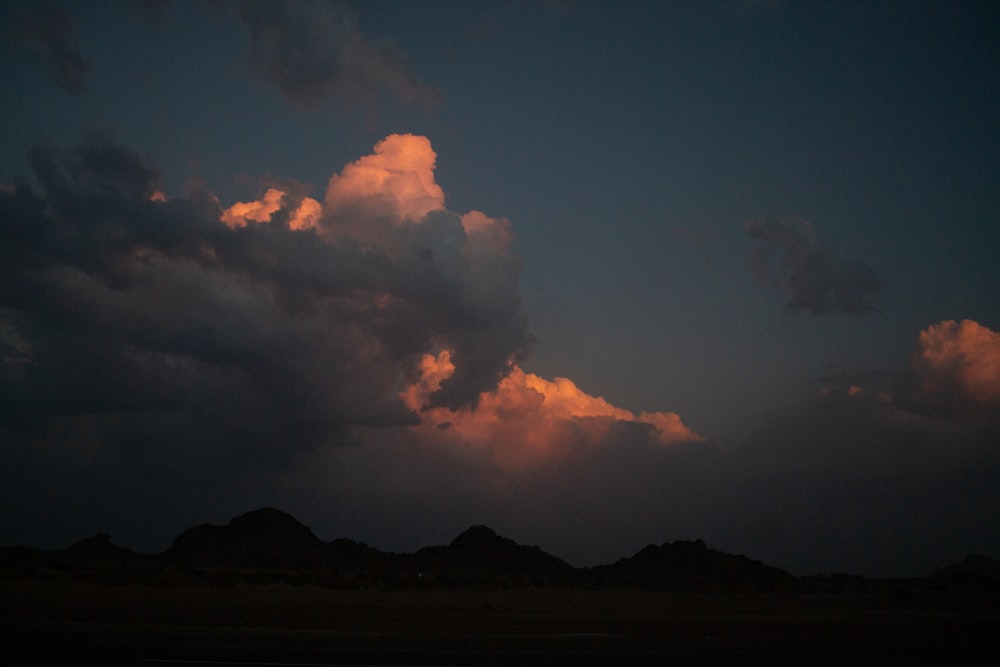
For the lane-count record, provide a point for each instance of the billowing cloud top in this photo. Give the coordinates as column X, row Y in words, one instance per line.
column 399, row 176
column 959, row 363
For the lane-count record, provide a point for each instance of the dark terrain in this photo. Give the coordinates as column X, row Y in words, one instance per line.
column 265, row 589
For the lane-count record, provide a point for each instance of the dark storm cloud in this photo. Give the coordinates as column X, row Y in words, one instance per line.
column 311, row 50
column 132, row 321
column 790, row 255
column 48, row 30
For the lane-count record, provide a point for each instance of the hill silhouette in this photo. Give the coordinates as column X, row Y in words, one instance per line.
column 271, row 546
column 264, row 538
column 684, row 564
column 479, row 554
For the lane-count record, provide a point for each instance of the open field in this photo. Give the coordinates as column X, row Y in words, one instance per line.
column 72, row 621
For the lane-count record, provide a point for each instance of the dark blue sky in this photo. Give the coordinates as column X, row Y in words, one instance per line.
column 739, row 212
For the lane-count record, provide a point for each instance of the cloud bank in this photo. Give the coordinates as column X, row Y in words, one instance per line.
column 816, row 280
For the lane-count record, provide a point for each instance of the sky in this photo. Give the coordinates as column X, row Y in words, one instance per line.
column 597, row 275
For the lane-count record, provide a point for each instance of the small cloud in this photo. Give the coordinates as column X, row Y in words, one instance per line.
column 303, row 215
column 48, row 30
column 313, row 50
column 790, row 255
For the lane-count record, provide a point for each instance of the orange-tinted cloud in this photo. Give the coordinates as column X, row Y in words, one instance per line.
column 959, row 360
column 399, row 176
column 304, row 216
column 527, row 419
column 484, row 231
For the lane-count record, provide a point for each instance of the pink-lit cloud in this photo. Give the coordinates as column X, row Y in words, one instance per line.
column 959, row 360
column 528, row 420
column 397, row 179
column 304, row 215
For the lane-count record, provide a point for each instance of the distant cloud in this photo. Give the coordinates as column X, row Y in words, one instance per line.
column 957, row 367
column 895, row 466
column 312, row 50
column 48, row 30
column 790, row 255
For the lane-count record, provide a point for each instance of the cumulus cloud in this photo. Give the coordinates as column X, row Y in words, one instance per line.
column 397, row 181
column 48, row 30
column 256, row 326
column 816, row 280
column 528, row 420
column 312, row 50
column 955, row 372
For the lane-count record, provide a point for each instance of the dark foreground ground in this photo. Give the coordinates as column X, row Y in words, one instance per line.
column 44, row 622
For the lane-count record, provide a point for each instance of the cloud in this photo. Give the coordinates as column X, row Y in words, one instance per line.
column 305, row 214
column 527, row 420
column 312, row 50
column 883, row 472
column 48, row 30
column 790, row 255
column 254, row 328
column 956, row 368
column 360, row 350
column 397, row 180
column 357, row 359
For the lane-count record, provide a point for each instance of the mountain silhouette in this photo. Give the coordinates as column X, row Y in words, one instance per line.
column 97, row 549
column 681, row 563
column 479, row 554
column 271, row 546
column 264, row 538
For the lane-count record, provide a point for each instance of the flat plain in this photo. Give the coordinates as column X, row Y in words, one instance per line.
column 72, row 622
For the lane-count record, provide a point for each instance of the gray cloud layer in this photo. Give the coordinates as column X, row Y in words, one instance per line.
column 790, row 255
